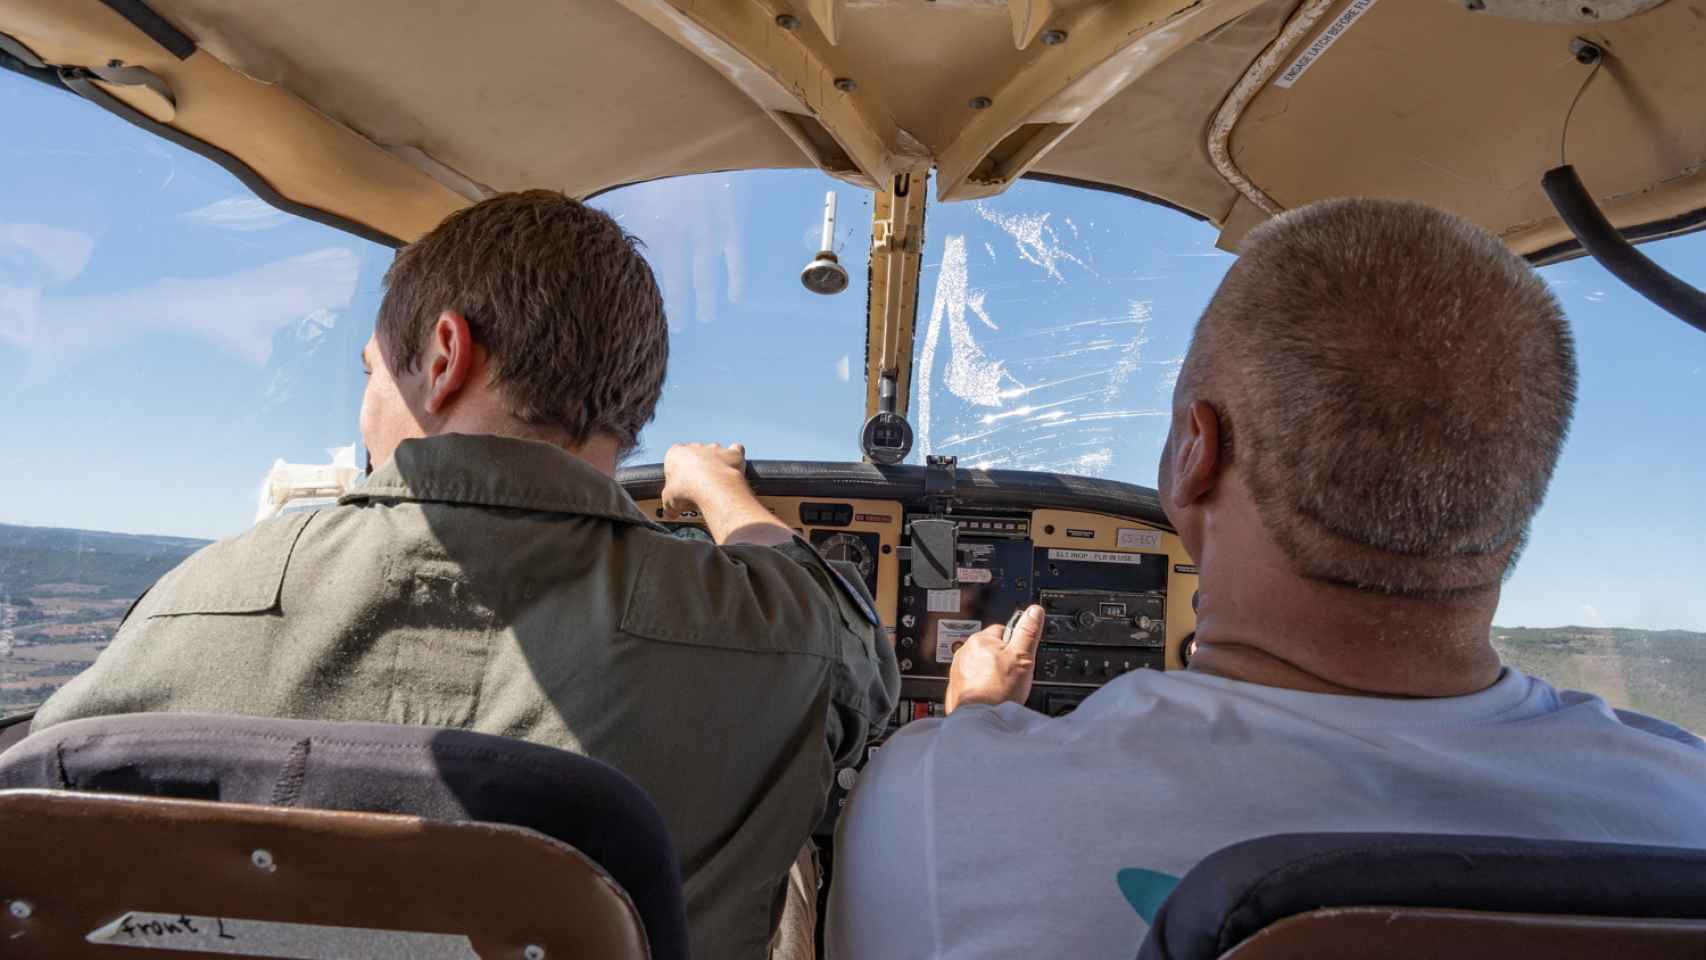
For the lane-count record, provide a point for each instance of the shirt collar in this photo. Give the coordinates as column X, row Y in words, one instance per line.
column 494, row 471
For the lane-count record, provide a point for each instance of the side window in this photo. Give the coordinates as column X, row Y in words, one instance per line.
column 1610, row 596
column 164, row 338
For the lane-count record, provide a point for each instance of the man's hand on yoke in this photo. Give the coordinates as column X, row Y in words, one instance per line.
column 711, row 479
column 988, row 670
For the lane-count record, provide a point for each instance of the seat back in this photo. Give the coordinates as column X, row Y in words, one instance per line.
column 349, row 793
column 1428, row 895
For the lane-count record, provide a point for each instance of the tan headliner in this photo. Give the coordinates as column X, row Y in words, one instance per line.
column 390, row 113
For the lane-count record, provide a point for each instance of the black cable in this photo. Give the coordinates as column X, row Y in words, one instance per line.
column 1564, row 134
column 1602, row 242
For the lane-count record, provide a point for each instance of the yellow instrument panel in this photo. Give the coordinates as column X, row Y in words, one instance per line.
column 871, row 534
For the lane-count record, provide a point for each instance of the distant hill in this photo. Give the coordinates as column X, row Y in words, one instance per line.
column 1657, row 672
column 105, row 565
column 62, row 595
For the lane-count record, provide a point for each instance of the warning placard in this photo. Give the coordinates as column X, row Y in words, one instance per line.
column 1095, row 556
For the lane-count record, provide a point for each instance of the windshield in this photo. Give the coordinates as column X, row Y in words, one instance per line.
column 165, row 337
column 1052, row 327
column 753, row 355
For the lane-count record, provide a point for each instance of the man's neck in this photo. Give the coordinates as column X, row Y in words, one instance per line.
column 1261, row 622
column 600, row 451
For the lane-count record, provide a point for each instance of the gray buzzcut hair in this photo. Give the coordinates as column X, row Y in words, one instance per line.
column 1395, row 386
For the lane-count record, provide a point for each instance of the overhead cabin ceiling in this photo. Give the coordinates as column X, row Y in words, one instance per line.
column 388, row 114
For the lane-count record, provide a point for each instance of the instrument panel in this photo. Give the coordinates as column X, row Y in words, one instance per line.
column 1117, row 591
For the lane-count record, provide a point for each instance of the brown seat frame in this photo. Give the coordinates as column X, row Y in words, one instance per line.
column 74, row 863
column 1413, row 933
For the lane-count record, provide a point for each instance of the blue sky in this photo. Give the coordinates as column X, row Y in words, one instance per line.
column 164, row 337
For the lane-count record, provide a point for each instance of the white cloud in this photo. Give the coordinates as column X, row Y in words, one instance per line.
column 1590, row 616
column 237, row 213
column 238, row 312
column 844, row 368
column 62, row 251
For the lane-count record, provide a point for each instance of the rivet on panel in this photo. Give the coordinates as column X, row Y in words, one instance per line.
column 1053, row 38
column 846, row 84
column 262, row 859
column 980, row 103
column 533, row 951
column 22, row 909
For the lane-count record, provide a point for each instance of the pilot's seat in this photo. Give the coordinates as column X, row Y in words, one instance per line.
column 221, row 835
column 1412, row 896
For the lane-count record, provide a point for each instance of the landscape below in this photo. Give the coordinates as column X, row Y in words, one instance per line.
column 63, row 594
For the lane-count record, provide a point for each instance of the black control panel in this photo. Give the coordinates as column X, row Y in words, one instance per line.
column 1106, row 610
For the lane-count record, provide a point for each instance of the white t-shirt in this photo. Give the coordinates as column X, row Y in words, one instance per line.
column 999, row 832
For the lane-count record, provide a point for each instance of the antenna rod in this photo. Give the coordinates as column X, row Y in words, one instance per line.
column 828, row 221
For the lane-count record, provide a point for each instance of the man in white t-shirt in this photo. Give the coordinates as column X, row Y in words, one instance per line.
column 1363, row 428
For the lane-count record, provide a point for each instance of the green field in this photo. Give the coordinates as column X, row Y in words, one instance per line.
column 62, row 596
column 1657, row 672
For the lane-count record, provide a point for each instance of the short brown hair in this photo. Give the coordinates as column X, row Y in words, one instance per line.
column 1395, row 386
column 560, row 298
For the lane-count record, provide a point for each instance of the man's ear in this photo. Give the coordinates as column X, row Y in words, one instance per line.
column 1196, row 457
column 449, row 362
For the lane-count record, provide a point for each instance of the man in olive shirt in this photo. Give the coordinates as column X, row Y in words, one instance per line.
column 491, row 574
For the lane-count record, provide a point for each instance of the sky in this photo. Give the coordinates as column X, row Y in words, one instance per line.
column 165, row 337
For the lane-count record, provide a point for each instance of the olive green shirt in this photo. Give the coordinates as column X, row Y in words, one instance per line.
column 507, row 587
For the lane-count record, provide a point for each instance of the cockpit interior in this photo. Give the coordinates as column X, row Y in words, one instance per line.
column 1570, row 130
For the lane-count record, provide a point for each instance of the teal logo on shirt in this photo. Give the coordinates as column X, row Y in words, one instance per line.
column 1145, row 890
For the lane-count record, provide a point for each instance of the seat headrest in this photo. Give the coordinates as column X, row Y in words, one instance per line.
column 429, row 772
column 1237, row 891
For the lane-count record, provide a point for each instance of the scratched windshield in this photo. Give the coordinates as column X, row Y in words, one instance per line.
column 1051, row 324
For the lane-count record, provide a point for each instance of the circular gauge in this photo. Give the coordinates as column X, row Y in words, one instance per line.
column 846, row 546
column 689, row 532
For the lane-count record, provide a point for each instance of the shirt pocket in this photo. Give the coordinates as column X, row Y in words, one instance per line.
column 242, row 575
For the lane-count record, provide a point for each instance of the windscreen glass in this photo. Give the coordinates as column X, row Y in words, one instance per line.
column 754, row 356
column 1051, row 324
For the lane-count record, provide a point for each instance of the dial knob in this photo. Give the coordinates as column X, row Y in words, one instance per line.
column 1086, row 619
